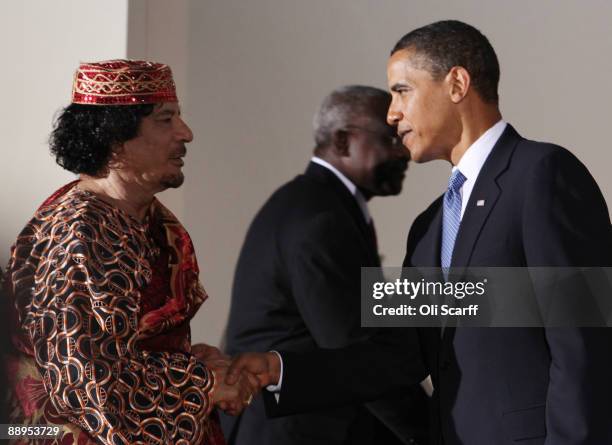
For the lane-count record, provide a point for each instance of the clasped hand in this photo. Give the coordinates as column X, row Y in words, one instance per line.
column 237, row 381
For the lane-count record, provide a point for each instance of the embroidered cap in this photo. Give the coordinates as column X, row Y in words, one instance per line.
column 123, row 82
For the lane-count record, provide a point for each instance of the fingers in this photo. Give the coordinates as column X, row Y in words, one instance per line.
column 221, row 364
column 264, row 366
column 274, row 368
column 238, row 383
column 207, row 353
column 203, row 348
column 245, row 393
column 232, row 399
column 253, row 382
column 242, row 363
column 236, row 404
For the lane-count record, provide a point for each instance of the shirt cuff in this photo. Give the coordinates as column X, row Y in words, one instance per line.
column 427, row 386
column 277, row 388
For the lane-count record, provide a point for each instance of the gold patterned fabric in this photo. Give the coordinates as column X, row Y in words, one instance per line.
column 86, row 354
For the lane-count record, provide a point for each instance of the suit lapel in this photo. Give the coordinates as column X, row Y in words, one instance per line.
column 485, row 189
column 427, row 250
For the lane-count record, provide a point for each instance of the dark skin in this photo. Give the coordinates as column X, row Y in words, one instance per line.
column 366, row 152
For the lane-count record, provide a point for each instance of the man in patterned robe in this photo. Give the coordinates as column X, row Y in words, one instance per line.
column 103, row 280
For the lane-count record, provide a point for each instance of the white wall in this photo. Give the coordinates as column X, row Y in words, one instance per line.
column 42, row 43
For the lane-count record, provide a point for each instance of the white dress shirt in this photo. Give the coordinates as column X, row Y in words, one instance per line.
column 474, row 158
column 363, row 205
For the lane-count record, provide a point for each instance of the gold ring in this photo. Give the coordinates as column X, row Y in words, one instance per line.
column 249, row 400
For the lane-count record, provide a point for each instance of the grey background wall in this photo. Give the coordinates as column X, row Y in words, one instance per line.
column 251, row 74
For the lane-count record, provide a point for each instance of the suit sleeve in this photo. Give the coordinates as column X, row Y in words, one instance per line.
column 566, row 223
column 389, row 363
column 326, row 256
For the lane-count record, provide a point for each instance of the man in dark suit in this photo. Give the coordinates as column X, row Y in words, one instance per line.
column 296, row 285
column 510, row 202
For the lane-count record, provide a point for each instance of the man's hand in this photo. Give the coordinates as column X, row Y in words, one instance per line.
column 265, row 367
column 232, row 399
column 212, row 357
column 207, row 353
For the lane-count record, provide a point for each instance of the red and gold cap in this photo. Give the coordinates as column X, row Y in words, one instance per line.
column 123, row 82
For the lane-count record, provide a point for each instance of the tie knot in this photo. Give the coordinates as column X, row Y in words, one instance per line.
column 456, row 180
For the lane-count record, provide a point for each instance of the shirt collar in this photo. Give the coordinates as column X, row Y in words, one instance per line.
column 346, row 181
column 352, row 188
column 475, row 156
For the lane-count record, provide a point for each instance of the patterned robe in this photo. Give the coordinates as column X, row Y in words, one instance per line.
column 100, row 305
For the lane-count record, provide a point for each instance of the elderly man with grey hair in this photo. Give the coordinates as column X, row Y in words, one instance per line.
column 297, row 282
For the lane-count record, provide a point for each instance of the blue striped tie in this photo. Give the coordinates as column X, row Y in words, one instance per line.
column 451, row 219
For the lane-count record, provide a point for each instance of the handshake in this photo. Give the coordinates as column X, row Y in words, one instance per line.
column 237, row 380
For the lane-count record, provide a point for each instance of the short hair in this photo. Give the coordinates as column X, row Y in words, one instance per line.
column 445, row 44
column 341, row 107
column 84, row 136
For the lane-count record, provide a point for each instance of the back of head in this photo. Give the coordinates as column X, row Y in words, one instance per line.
column 346, row 106
column 84, row 136
column 442, row 45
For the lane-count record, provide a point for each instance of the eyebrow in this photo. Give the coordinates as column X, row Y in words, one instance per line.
column 396, row 87
column 166, row 113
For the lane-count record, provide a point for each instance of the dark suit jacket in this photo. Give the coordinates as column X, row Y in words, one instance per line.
column 522, row 385
column 297, row 288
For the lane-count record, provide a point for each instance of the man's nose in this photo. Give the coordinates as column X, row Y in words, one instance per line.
column 393, row 116
column 184, row 131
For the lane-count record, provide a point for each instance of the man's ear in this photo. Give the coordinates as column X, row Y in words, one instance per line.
column 459, row 81
column 340, row 142
column 117, row 157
